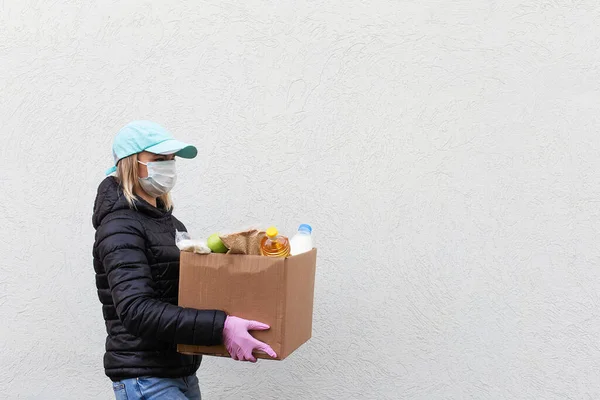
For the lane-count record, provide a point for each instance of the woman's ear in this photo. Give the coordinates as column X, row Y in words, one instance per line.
column 142, row 170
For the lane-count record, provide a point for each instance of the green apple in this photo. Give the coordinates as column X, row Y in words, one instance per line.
column 215, row 244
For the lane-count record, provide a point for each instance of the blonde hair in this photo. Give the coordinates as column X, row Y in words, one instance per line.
column 128, row 177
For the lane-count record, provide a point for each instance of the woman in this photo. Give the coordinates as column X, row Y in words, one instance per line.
column 137, row 273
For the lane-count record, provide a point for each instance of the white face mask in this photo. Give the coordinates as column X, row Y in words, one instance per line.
column 161, row 178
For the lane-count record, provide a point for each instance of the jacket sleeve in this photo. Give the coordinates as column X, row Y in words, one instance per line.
column 121, row 249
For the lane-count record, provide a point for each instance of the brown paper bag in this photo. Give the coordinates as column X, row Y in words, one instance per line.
column 245, row 242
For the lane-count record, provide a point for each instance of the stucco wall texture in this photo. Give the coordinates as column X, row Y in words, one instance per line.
column 445, row 152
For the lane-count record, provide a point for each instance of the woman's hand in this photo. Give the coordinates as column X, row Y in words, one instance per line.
column 240, row 343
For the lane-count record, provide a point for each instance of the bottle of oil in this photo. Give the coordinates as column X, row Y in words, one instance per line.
column 274, row 245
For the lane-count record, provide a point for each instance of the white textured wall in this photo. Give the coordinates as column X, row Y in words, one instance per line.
column 446, row 153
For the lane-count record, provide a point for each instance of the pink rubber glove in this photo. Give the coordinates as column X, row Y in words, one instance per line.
column 240, row 343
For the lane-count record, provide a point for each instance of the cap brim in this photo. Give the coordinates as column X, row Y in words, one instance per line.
column 173, row 146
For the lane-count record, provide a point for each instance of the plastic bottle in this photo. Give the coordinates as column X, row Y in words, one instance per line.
column 302, row 241
column 274, row 245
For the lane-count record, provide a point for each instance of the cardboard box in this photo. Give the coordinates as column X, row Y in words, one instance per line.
column 276, row 291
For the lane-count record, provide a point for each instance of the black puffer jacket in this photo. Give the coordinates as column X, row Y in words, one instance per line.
column 137, row 276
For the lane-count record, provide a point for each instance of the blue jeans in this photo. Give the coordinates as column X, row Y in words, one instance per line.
column 148, row 388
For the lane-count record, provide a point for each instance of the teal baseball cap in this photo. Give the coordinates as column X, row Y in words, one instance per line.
column 138, row 136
